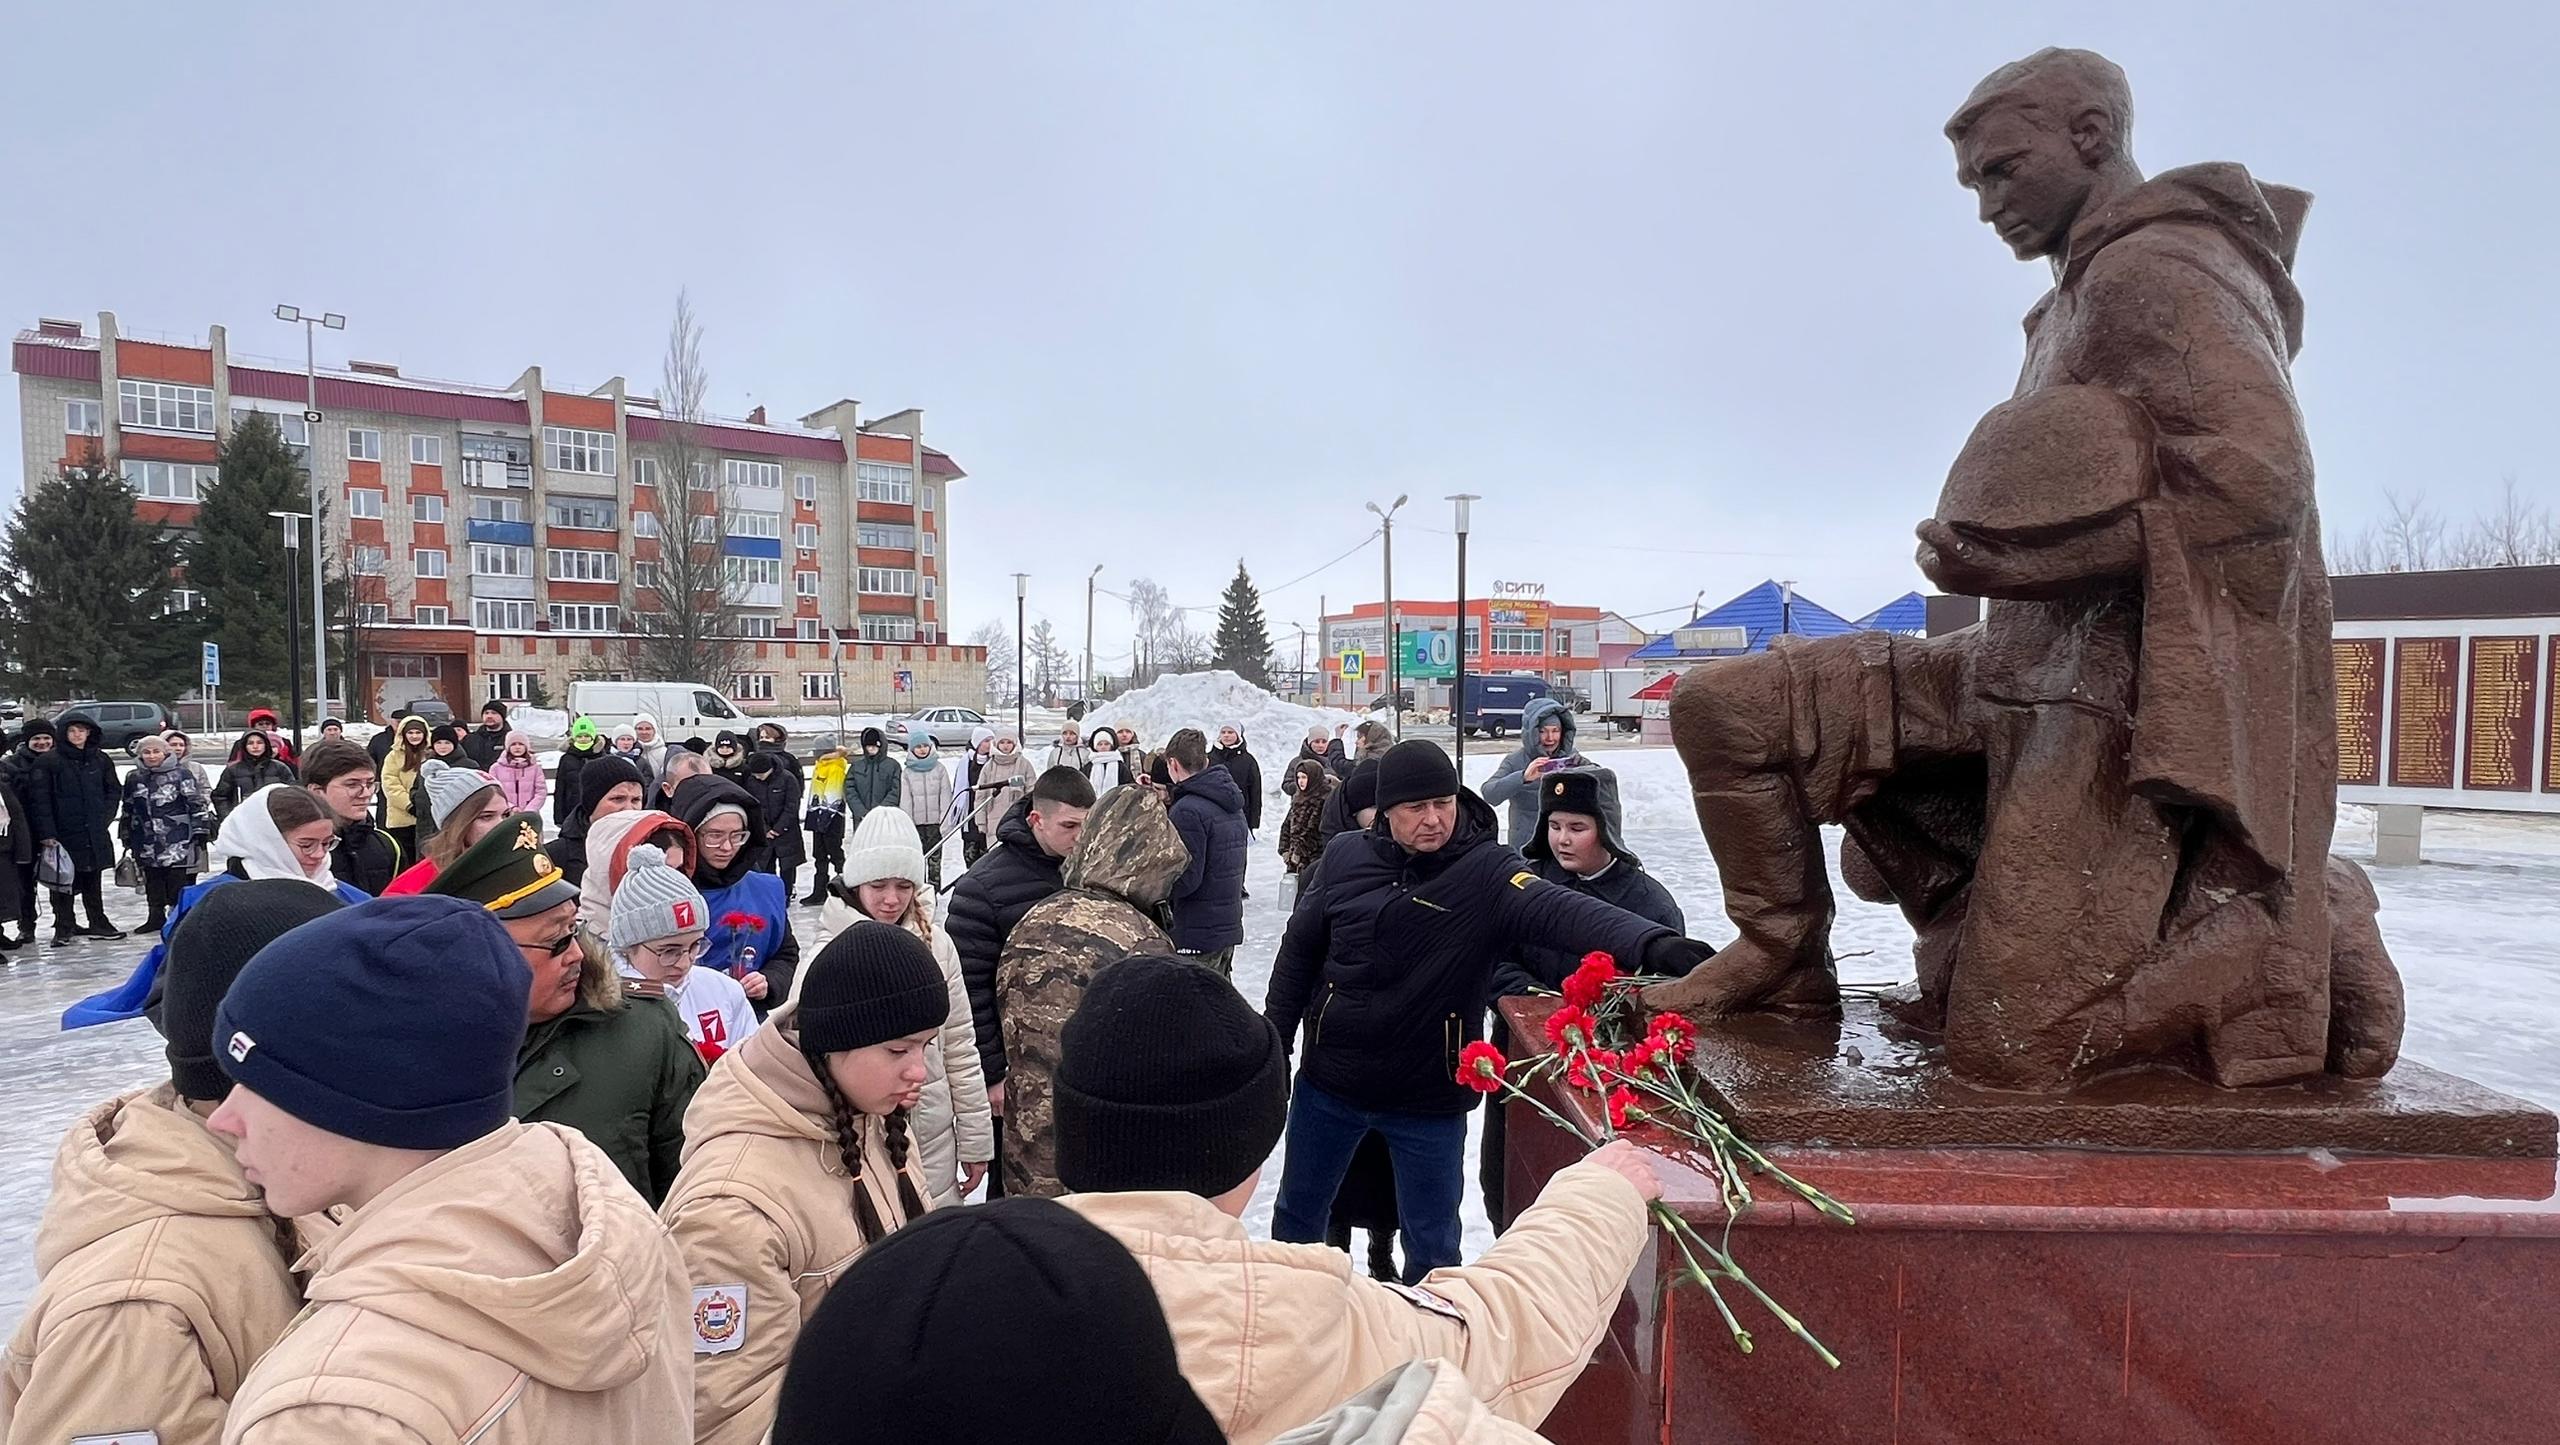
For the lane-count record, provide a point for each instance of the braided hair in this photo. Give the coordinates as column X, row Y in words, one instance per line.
column 848, row 1125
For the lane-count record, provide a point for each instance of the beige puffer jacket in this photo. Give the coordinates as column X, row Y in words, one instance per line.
column 161, row 1279
column 513, row 1292
column 1425, row 1403
column 1274, row 1335
column 952, row 1123
column 764, row 1215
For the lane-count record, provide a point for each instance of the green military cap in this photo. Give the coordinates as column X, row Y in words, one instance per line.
column 507, row 872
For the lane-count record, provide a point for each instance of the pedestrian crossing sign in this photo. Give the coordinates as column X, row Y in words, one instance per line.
column 1353, row 662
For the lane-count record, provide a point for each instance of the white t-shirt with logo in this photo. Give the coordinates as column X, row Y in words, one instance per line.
column 715, row 1011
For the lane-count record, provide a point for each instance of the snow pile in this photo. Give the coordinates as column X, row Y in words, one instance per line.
column 533, row 722
column 1211, row 700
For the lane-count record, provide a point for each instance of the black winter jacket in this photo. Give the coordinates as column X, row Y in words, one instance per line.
column 1246, row 769
column 364, row 856
column 1330, row 755
column 74, row 802
column 1208, row 900
column 986, row 903
column 778, row 793
column 1623, row 885
column 568, row 813
column 247, row 776
column 1389, row 957
column 483, row 745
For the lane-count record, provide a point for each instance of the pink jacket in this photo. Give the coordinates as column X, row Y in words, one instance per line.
column 522, row 784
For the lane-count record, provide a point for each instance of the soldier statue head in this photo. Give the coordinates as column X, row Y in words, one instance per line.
column 2043, row 141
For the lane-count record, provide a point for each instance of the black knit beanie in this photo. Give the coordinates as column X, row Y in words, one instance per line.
column 219, row 935
column 599, row 777
column 1167, row 1080
column 1413, row 770
column 872, row 983
column 897, row 1349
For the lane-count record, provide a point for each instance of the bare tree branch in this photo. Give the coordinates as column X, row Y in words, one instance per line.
column 684, row 624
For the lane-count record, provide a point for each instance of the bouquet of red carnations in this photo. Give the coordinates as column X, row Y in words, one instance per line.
column 1639, row 1074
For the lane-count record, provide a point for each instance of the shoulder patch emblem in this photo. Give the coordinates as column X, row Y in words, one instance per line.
column 719, row 1318
column 1427, row 1302
column 1523, row 879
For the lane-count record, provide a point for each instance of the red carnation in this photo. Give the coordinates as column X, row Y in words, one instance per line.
column 1571, row 1027
column 1643, row 1058
column 1481, row 1067
column 1674, row 1035
column 735, row 922
column 1624, row 1105
column 1591, row 981
column 1591, row 1068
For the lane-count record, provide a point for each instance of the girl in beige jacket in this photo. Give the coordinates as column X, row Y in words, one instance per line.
column 797, row 1159
column 885, row 880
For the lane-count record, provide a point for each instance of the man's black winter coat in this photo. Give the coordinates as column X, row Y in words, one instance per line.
column 1535, row 966
column 74, row 796
column 986, row 903
column 1389, row 957
column 1208, row 900
column 365, row 857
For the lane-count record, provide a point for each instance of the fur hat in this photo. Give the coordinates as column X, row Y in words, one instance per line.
column 1592, row 792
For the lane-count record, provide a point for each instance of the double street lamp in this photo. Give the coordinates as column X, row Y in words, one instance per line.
column 293, row 614
column 1458, row 684
column 1387, row 613
column 311, row 474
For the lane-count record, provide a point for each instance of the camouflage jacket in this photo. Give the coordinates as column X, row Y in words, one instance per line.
column 1113, row 906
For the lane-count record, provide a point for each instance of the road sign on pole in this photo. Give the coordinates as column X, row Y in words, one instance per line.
column 213, row 664
column 906, row 681
column 1353, row 662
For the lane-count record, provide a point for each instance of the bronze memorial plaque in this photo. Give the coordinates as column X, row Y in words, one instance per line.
column 2422, row 695
column 2497, row 740
column 2359, row 663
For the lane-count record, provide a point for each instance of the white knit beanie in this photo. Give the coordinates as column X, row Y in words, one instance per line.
column 449, row 787
column 885, row 845
column 654, row 901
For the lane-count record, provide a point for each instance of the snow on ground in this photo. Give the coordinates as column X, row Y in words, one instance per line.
column 1212, row 700
column 2472, row 928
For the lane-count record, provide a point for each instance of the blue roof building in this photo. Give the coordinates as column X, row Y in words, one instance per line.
column 1766, row 611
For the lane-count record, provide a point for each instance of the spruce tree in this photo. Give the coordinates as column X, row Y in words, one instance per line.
column 84, row 586
column 1244, row 641
column 237, row 558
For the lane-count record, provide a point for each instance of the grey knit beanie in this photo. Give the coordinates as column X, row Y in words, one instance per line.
column 449, row 787
column 654, row 901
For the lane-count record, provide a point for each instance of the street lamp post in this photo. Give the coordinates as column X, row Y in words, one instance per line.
column 1387, row 613
column 293, row 618
column 1458, row 684
column 1088, row 633
column 1021, row 687
column 311, row 475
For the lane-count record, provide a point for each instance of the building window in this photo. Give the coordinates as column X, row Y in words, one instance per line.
column 370, row 561
column 928, row 544
column 701, row 481
column 497, row 509
column 426, row 506
column 364, row 444
column 82, row 417
column 425, row 451
column 373, row 614
column 884, row 482
column 427, row 561
column 756, row 524
column 434, row 617
column 488, row 559
column 764, row 476
column 513, row 686
column 496, row 461
column 582, row 513
column 928, row 589
column 752, row 571
column 888, row 627
column 928, row 499
column 804, row 486
column 1562, row 645
column 583, row 617
column 568, row 449
column 644, row 576
column 163, row 407
column 706, row 529
column 365, row 502
column 804, row 535
column 895, row 535
column 804, row 584
column 501, row 614
column 752, row 687
column 644, row 524
column 644, row 471
column 169, row 481
column 809, row 629
column 889, row 581
column 295, row 428
column 562, row 564
column 756, row 625
column 182, row 600
column 1519, row 642
column 818, row 686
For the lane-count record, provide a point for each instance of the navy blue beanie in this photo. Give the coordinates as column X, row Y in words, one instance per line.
column 395, row 1023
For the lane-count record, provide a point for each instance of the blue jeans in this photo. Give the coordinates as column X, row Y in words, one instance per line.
column 1430, row 1158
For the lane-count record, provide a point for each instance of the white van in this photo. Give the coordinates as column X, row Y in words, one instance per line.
column 682, row 709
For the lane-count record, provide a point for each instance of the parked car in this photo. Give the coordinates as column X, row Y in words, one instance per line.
column 1572, row 697
column 949, row 727
column 435, row 711
column 119, row 723
column 680, row 708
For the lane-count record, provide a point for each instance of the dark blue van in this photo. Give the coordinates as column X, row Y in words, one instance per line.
column 1493, row 704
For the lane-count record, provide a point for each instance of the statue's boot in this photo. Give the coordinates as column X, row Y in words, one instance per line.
column 2367, row 1009
column 1769, row 855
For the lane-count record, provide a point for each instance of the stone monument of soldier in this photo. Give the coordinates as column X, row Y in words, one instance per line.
column 2106, row 809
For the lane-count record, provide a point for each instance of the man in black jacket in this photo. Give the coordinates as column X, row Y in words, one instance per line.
column 1387, row 961
column 341, row 776
column 1574, row 845
column 1033, row 839
column 483, row 744
column 1209, row 811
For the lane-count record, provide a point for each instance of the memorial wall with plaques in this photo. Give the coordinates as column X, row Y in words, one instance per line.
column 2359, row 665
column 2497, row 733
column 2423, row 697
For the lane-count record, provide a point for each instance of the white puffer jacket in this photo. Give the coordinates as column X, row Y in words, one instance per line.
column 951, row 1123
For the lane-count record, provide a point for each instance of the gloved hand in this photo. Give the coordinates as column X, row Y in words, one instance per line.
column 1671, row 956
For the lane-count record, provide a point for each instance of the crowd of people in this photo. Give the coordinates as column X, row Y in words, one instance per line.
column 547, row 1129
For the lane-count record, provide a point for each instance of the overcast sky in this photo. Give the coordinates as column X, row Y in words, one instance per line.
column 1687, row 292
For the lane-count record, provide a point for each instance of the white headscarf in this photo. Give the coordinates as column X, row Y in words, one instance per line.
column 250, row 834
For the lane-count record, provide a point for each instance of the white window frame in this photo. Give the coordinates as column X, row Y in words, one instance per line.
column 804, row 487
column 585, row 617
column 164, row 406
column 701, row 480
column 886, row 627
column 644, row 575
column 811, row 630
column 156, row 481
column 427, row 561
column 182, row 600
column 887, row 581
column 929, row 590
column 425, row 449
column 762, row 476
column 442, row 616
column 804, row 584
column 817, row 687
column 752, row 571
column 364, row 444
column 368, row 560
column 804, row 536
column 373, row 614
column 766, row 525
column 644, row 471
column 579, row 450
column 500, row 559
column 928, row 499
column 706, row 528
column 494, row 614
column 509, row 509
column 426, row 506
column 752, row 687
column 580, row 564
column 365, row 502
column 894, row 536
column 643, row 523
column 512, row 686
column 84, row 416
column 757, row 625
column 926, row 537
column 552, row 509
column 893, row 482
